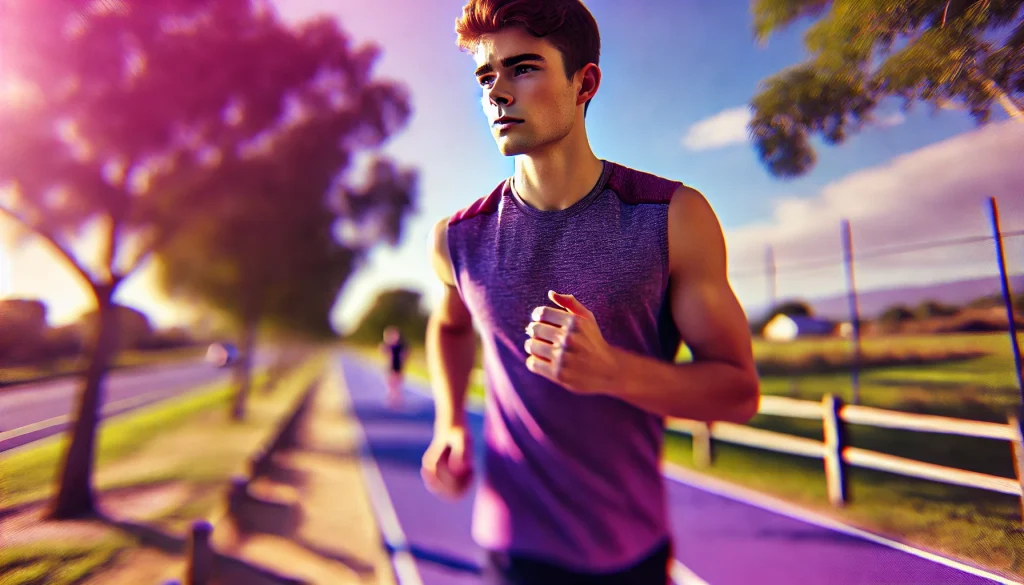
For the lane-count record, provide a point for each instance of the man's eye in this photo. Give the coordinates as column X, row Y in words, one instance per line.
column 520, row 69
column 486, row 81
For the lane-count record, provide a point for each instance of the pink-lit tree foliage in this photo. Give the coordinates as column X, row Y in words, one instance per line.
column 125, row 123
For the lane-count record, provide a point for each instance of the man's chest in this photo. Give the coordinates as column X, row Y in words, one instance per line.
column 620, row 275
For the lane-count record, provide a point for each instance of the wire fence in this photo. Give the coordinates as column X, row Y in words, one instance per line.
column 947, row 287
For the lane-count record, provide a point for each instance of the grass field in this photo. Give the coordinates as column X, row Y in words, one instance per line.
column 58, row 564
column 980, row 526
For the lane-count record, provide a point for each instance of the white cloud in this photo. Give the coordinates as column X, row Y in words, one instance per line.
column 890, row 120
column 723, row 129
column 938, row 192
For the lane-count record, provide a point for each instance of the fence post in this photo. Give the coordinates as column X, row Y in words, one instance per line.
column 703, row 455
column 851, row 295
column 836, row 478
column 997, row 235
column 771, row 276
column 200, row 554
column 1017, row 429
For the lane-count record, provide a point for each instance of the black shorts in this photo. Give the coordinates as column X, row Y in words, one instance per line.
column 502, row 569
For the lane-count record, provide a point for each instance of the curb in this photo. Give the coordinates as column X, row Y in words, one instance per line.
column 197, row 565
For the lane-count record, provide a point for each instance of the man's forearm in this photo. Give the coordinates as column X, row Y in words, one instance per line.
column 450, row 357
column 706, row 391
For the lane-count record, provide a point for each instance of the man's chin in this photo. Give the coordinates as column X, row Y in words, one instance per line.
column 512, row 148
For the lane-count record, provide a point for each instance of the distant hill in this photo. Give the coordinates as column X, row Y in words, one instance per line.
column 873, row 302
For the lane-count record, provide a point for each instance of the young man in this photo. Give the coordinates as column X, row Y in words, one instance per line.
column 582, row 276
column 394, row 350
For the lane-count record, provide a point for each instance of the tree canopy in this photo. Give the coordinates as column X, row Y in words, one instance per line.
column 120, row 118
column 965, row 54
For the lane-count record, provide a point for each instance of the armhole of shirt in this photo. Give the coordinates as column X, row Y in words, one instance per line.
column 667, row 248
column 453, row 262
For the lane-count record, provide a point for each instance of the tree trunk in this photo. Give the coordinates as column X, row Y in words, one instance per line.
column 1004, row 99
column 243, row 369
column 75, row 496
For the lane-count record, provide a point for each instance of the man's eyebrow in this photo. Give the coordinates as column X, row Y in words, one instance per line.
column 509, row 62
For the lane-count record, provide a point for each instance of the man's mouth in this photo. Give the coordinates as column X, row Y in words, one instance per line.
column 505, row 122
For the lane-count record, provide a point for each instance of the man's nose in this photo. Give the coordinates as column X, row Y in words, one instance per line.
column 499, row 95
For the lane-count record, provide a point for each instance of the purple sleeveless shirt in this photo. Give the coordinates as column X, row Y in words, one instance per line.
column 569, row 479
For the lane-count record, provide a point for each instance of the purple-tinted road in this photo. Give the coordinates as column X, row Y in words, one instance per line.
column 720, row 538
column 35, row 411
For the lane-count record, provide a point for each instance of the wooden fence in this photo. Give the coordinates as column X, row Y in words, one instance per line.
column 837, row 455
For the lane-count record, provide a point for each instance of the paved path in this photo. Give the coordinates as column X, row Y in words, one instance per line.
column 722, row 537
column 35, row 411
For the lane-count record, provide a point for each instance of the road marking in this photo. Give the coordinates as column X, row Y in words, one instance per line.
column 107, row 409
column 406, row 572
column 682, row 575
column 783, row 508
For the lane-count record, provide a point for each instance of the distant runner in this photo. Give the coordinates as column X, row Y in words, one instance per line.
column 395, row 350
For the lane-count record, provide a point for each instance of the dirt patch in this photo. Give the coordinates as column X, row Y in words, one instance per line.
column 148, row 502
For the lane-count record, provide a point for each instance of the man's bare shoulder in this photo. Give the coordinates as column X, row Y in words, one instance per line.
column 695, row 234
column 689, row 208
column 440, row 257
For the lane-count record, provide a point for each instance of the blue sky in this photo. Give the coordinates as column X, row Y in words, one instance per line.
column 677, row 77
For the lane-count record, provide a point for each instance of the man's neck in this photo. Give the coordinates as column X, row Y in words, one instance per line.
column 559, row 176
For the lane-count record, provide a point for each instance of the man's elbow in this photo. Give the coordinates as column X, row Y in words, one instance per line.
column 747, row 399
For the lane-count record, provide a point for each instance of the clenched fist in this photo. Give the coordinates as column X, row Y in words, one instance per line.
column 447, row 467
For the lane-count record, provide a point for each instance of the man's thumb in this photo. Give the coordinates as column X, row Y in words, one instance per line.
column 458, row 458
column 568, row 302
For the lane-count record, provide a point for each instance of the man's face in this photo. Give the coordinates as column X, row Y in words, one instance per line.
column 527, row 98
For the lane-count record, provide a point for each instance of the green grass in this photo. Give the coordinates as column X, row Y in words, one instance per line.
column 987, row 343
column 982, row 387
column 58, row 563
column 29, row 472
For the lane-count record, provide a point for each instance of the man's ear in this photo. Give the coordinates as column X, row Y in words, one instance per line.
column 590, row 80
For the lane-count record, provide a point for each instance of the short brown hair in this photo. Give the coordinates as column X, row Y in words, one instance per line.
column 566, row 24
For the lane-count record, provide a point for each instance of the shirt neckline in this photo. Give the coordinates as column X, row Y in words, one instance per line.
column 573, row 209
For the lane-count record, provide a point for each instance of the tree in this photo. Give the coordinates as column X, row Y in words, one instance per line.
column 399, row 307
column 266, row 255
column 121, row 114
column 947, row 53
column 132, row 326
column 894, row 317
column 929, row 309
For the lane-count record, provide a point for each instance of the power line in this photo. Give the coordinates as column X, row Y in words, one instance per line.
column 872, row 253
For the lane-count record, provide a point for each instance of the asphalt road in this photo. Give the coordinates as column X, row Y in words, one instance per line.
column 720, row 538
column 36, row 411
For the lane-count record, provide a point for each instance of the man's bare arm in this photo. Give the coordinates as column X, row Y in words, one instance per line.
column 450, row 343
column 721, row 382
